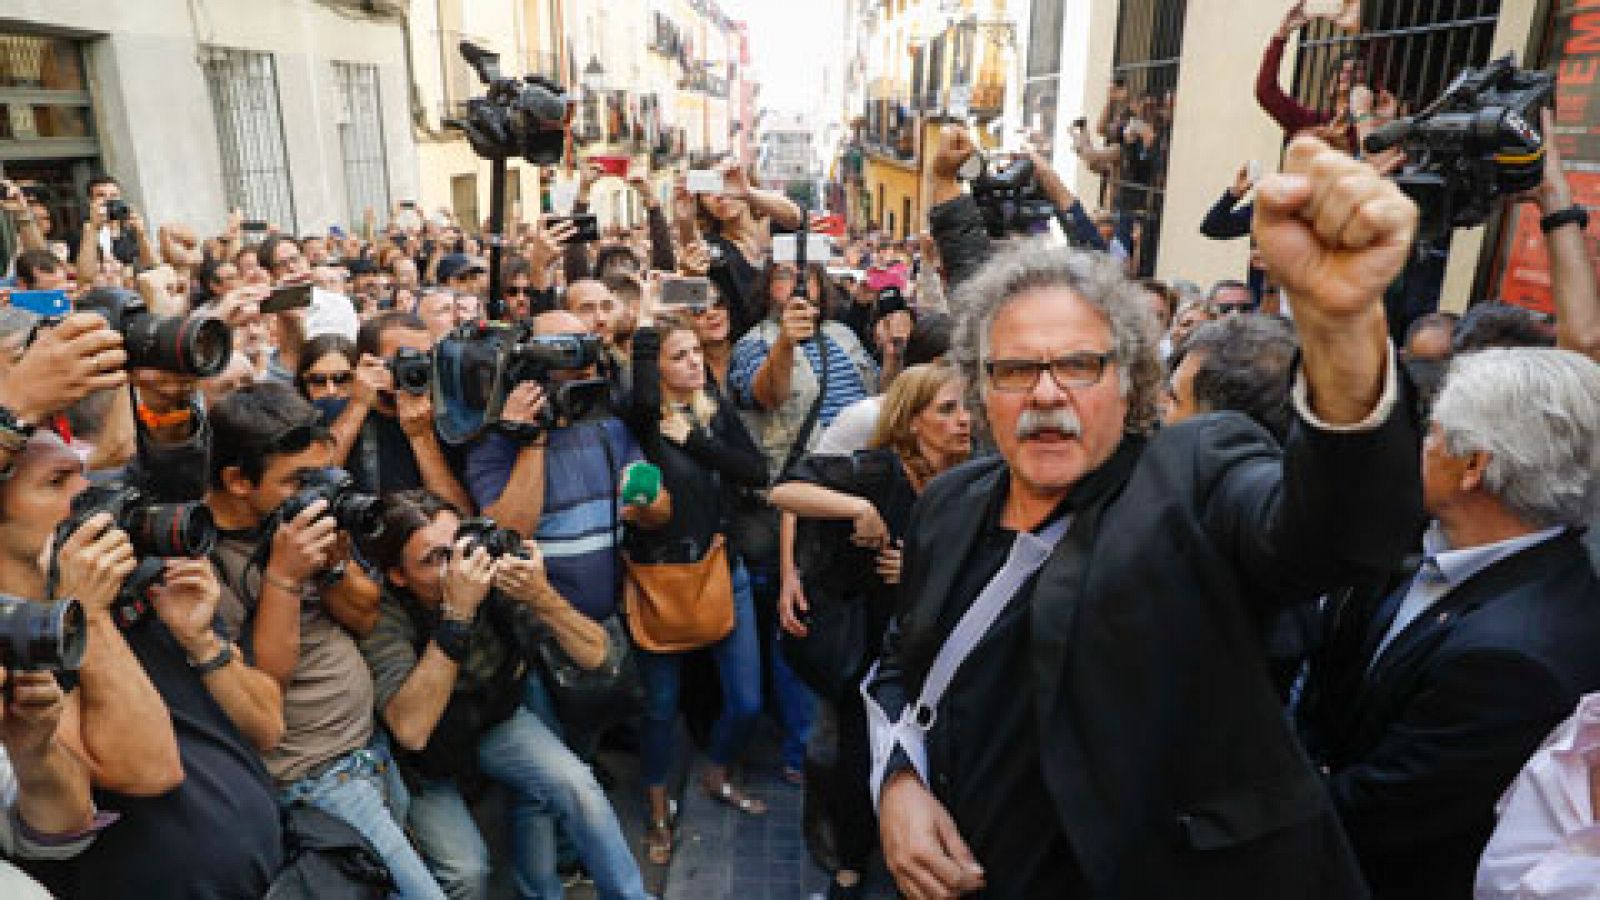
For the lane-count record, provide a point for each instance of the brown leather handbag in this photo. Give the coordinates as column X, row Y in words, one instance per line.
column 675, row 607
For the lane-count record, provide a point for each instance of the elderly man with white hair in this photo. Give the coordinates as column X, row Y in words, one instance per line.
column 1437, row 685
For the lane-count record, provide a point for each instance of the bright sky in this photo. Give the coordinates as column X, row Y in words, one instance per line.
column 786, row 40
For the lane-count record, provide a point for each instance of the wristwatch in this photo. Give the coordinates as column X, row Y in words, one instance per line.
column 454, row 639
column 1573, row 213
column 223, row 657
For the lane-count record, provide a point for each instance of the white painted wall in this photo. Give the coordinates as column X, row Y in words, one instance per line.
column 156, row 127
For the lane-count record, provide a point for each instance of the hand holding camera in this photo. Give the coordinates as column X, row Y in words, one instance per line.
column 32, row 712
column 93, row 563
column 186, row 602
column 373, row 380
column 955, row 146
column 525, row 404
column 415, row 413
column 64, row 364
column 467, row 578
column 303, row 545
column 522, row 577
column 799, row 322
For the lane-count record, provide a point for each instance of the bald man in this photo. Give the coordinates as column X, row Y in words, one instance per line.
column 561, row 486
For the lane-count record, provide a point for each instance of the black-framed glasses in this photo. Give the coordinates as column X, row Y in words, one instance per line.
column 328, row 379
column 1228, row 309
column 517, row 291
column 1079, row 370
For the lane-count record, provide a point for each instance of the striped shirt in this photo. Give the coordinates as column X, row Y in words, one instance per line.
column 579, row 529
column 844, row 380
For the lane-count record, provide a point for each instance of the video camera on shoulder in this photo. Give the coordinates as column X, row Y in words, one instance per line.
column 157, row 530
column 195, row 345
column 478, row 365
column 1477, row 142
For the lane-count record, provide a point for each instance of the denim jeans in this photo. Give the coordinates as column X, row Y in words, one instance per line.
column 738, row 658
column 544, row 779
column 363, row 790
column 796, row 704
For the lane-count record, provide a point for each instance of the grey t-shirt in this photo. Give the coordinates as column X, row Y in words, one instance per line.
column 328, row 709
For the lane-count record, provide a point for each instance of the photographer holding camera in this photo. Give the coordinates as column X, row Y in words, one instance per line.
column 454, row 686
column 557, row 482
column 291, row 597
column 384, row 434
column 157, row 708
column 113, row 232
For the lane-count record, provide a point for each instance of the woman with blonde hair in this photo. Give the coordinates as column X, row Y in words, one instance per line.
column 691, row 432
column 854, row 511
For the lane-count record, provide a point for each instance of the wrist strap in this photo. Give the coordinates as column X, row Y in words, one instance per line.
column 223, row 657
column 454, row 639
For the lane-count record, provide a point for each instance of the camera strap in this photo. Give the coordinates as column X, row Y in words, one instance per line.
column 803, row 436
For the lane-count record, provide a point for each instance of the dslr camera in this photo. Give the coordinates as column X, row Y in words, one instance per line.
column 117, row 210
column 477, row 366
column 41, row 637
column 355, row 512
column 157, row 530
column 1477, row 142
column 200, row 346
column 412, row 370
column 482, row 531
column 1010, row 200
column 524, row 117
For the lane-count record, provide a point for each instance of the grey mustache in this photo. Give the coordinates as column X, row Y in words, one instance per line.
column 1034, row 421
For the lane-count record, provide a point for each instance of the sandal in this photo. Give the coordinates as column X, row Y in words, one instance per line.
column 660, row 837
column 739, row 800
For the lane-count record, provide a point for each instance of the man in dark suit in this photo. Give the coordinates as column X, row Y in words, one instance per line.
column 1114, row 731
column 1436, row 686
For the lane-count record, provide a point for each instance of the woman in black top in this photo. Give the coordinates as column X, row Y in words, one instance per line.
column 685, row 426
column 737, row 225
column 864, row 502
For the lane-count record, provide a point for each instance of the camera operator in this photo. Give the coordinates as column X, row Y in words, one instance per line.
column 285, row 599
column 44, row 788
column 455, row 690
column 383, row 436
column 560, row 488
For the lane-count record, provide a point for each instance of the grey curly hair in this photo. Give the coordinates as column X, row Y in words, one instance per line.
column 1098, row 279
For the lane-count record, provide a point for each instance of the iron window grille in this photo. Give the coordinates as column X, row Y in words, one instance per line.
column 1149, row 41
column 255, row 161
column 366, row 175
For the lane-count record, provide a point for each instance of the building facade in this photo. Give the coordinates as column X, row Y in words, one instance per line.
column 295, row 114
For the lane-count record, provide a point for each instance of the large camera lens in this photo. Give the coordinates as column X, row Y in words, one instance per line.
column 193, row 345
column 170, row 529
column 359, row 515
column 41, row 637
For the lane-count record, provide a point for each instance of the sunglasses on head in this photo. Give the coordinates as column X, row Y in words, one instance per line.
column 329, row 379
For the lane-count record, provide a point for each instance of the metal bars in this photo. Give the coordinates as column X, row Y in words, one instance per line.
column 1149, row 42
column 366, row 176
column 1410, row 48
column 255, row 162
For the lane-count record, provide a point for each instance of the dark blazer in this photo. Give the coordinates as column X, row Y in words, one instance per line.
column 1169, row 762
column 1419, row 750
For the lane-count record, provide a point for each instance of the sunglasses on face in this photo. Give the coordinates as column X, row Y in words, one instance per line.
column 329, row 379
column 518, row 291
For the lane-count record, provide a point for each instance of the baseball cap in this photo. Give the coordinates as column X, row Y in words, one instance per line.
column 457, row 264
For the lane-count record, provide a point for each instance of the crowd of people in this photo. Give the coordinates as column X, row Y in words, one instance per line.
column 1051, row 581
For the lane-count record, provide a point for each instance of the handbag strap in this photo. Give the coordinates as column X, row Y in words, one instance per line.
column 1028, row 553
column 803, row 437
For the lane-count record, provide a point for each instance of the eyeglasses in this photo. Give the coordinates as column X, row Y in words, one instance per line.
column 1229, row 309
column 330, row 379
column 518, row 291
column 1072, row 371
